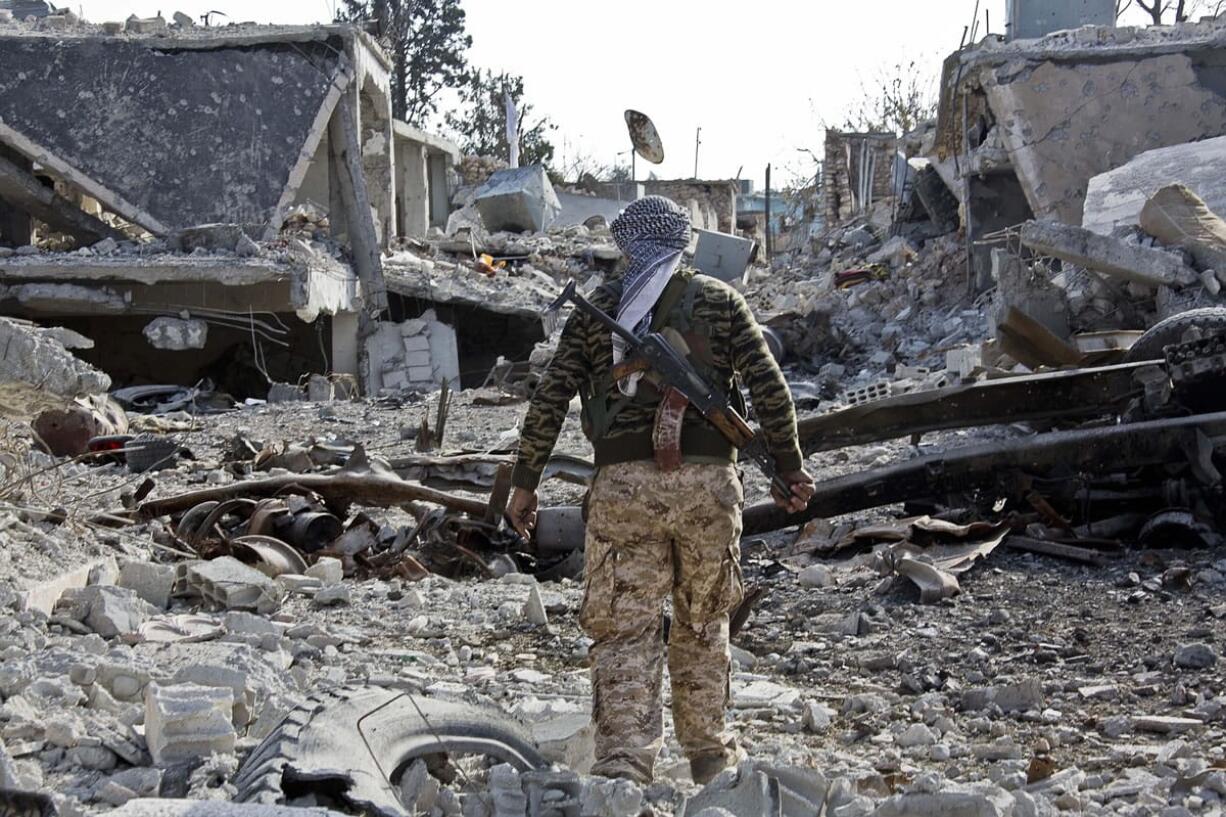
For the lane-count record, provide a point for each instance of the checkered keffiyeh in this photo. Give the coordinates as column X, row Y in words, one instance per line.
column 652, row 233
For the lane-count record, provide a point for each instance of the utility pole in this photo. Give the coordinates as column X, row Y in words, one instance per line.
column 768, row 213
column 697, row 142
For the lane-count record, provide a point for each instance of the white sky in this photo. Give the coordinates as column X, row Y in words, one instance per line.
column 761, row 79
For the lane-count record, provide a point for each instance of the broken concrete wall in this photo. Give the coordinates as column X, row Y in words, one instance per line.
column 717, row 198
column 417, row 354
column 171, row 136
column 1066, row 120
column 33, row 356
column 856, row 173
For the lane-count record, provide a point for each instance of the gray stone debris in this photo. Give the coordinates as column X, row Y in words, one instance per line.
column 151, row 581
column 214, row 808
column 176, row 334
column 33, row 356
column 228, row 584
column 328, row 570
column 333, row 596
column 1195, row 656
column 534, row 608
column 188, row 721
column 108, row 610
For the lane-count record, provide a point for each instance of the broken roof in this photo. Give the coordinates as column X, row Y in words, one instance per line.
column 205, row 126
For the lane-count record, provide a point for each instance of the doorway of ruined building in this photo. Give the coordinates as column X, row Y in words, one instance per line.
column 482, row 335
column 238, row 361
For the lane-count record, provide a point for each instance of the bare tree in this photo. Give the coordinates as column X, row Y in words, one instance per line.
column 896, row 101
column 1184, row 9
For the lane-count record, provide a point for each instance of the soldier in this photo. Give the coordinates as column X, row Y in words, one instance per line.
column 660, row 522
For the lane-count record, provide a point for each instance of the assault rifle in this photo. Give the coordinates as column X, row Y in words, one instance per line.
column 673, row 370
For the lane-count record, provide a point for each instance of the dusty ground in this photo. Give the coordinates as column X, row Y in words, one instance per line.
column 1091, row 650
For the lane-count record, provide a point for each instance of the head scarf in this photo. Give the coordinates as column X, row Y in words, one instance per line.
column 652, row 233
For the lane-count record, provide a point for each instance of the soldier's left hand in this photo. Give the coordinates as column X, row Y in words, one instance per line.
column 802, row 491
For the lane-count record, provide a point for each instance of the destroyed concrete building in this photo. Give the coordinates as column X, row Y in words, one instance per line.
column 247, row 213
column 1043, row 117
column 857, row 172
column 1005, row 599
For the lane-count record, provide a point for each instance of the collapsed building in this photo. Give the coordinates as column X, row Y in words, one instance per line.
column 232, row 227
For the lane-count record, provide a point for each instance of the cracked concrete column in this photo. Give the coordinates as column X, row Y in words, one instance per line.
column 345, row 343
column 414, row 189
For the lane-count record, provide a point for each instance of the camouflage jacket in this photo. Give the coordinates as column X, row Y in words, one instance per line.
column 583, row 362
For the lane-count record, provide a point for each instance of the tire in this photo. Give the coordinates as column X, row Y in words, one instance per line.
column 148, row 452
column 1210, row 320
column 357, row 740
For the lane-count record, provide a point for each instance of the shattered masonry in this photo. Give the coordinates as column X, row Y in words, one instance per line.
column 260, row 401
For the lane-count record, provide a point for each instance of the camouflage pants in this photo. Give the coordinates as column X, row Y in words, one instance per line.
column 650, row 535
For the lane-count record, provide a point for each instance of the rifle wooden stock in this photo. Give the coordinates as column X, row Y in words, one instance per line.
column 732, row 426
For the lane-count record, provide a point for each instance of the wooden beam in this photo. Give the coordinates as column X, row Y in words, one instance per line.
column 20, row 188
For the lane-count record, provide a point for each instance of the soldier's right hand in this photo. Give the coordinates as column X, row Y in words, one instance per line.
column 522, row 511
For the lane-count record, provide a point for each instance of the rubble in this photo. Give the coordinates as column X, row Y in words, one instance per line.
column 1138, row 264
column 187, row 721
column 300, row 567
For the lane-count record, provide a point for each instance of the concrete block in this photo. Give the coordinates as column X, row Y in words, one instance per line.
column 1117, row 197
column 232, row 678
column 416, row 343
column 107, row 610
column 328, row 570
column 445, row 353
column 44, row 595
column 745, row 792
column 188, row 721
column 421, row 374
column 1130, row 262
column 176, row 334
column 568, row 739
column 977, row 801
column 1037, row 107
column 418, row 359
column 228, row 584
column 723, row 256
column 396, row 379
column 964, row 360
column 518, row 200
column 151, row 581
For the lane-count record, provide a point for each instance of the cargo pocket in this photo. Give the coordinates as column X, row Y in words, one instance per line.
column 596, row 610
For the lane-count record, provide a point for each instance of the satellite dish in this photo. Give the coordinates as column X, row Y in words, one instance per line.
column 645, row 137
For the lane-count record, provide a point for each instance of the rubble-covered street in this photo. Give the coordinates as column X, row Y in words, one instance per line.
column 259, row 424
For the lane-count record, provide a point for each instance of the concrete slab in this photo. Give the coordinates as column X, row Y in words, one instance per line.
column 44, row 595
column 1130, row 262
column 520, row 199
column 1065, row 123
column 1117, row 197
column 137, row 107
